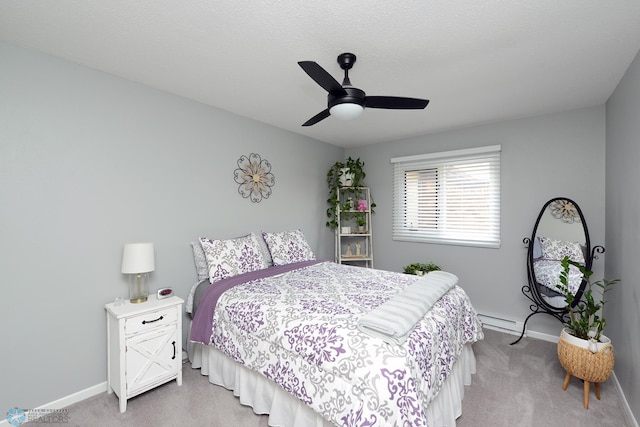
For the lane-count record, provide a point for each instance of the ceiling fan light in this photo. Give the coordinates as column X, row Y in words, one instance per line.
column 346, row 111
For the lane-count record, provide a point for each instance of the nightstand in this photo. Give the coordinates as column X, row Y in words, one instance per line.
column 144, row 346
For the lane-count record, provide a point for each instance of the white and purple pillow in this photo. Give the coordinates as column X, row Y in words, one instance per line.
column 231, row 257
column 200, row 261
column 553, row 249
column 288, row 247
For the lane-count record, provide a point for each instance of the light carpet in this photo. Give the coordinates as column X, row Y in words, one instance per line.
column 515, row 386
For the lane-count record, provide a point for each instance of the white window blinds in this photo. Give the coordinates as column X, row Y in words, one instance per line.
column 451, row 197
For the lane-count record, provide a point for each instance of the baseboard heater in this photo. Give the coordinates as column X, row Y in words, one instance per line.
column 501, row 324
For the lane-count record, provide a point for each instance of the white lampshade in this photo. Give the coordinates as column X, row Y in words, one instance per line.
column 137, row 262
column 138, row 258
column 346, row 111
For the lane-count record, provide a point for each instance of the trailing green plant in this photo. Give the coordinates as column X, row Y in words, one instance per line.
column 586, row 317
column 417, row 266
column 355, row 167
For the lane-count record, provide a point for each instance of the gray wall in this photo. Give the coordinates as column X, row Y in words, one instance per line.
column 623, row 231
column 542, row 157
column 89, row 162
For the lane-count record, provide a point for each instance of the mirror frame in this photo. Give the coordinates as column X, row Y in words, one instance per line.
column 531, row 290
column 533, row 282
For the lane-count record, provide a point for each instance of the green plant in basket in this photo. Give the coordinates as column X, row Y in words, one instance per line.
column 586, row 317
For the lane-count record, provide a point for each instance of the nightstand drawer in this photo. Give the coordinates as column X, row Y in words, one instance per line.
column 150, row 320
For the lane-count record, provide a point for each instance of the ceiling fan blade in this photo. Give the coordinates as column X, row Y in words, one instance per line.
column 323, row 78
column 315, row 119
column 395, row 102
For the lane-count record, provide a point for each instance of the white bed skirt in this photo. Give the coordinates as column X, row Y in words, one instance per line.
column 266, row 397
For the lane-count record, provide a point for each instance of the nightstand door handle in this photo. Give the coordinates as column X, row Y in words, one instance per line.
column 174, row 350
column 144, row 322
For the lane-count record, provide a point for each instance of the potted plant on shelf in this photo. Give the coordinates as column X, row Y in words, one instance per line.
column 361, row 220
column 420, row 269
column 583, row 350
column 361, row 215
column 348, row 176
column 349, row 173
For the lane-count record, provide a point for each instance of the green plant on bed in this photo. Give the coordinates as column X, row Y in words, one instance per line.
column 417, row 266
column 586, row 318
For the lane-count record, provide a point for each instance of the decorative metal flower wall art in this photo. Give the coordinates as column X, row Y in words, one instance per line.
column 565, row 211
column 255, row 177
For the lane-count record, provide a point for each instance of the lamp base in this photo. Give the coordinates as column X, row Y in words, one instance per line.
column 138, row 288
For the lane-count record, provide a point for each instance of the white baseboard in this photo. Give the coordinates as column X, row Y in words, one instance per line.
column 65, row 401
column 530, row 334
column 541, row 336
column 501, row 324
column 513, row 327
column 627, row 409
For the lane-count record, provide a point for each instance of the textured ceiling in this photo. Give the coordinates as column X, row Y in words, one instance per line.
column 477, row 61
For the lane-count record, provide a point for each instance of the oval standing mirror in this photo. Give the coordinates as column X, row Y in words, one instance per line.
column 560, row 230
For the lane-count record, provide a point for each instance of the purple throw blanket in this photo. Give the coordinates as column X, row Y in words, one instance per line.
column 203, row 320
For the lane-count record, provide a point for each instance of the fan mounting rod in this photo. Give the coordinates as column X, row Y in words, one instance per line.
column 346, row 61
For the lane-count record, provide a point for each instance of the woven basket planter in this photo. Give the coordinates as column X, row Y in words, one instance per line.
column 580, row 362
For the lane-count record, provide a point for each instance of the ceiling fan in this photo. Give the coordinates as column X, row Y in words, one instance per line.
column 347, row 102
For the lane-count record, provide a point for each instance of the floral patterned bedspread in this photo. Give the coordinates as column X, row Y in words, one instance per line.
column 299, row 329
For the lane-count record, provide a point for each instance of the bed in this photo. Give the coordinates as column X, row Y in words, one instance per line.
column 286, row 335
column 547, row 267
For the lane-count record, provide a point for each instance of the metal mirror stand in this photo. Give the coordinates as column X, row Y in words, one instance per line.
column 549, row 216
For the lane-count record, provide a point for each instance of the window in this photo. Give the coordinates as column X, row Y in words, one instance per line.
column 451, row 197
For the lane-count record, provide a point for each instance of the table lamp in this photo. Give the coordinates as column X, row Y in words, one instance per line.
column 137, row 262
